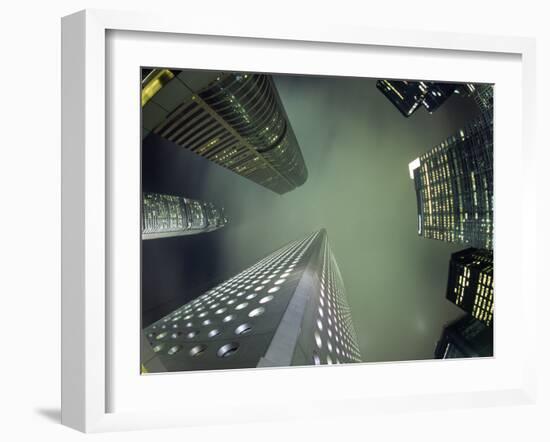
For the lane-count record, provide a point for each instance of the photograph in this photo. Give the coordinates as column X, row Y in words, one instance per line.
column 304, row 220
column 230, row 219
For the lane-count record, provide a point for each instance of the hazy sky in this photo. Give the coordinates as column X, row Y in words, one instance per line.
column 357, row 147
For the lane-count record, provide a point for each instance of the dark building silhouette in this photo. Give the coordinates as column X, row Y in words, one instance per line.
column 437, row 94
column 290, row 308
column 465, row 338
column 408, row 96
column 470, row 283
column 483, row 96
column 481, row 93
column 236, row 120
column 454, row 186
column 164, row 216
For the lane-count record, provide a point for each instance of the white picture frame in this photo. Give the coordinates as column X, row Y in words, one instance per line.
column 88, row 321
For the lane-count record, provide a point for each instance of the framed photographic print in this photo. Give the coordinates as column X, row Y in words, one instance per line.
column 288, row 221
column 243, row 274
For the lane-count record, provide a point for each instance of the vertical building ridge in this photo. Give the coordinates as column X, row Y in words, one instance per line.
column 236, row 120
column 465, row 338
column 470, row 283
column 287, row 309
column 454, row 186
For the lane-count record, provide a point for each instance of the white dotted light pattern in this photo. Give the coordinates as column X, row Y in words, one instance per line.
column 231, row 325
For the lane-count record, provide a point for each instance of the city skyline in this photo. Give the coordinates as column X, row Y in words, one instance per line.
column 340, row 194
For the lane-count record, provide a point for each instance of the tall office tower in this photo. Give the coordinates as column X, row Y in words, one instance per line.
column 236, row 120
column 483, row 96
column 437, row 94
column 454, row 186
column 165, row 216
column 407, row 96
column 288, row 309
column 470, row 283
column 465, row 338
column 481, row 93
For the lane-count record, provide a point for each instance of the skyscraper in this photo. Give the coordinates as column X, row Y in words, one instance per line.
column 437, row 94
column 470, row 283
column 481, row 93
column 465, row 338
column 165, row 216
column 236, row 120
column 483, row 96
column 407, row 96
column 454, row 186
column 290, row 308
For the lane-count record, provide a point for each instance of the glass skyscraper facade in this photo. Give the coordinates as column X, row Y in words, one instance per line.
column 236, row 120
column 470, row 284
column 437, row 94
column 483, row 96
column 290, row 308
column 454, row 186
column 408, row 96
column 170, row 215
column 465, row 338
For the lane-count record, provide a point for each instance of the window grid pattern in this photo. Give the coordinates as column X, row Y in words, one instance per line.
column 454, row 185
column 238, row 121
column 407, row 96
column 471, row 285
column 334, row 337
column 231, row 325
column 171, row 215
column 483, row 96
